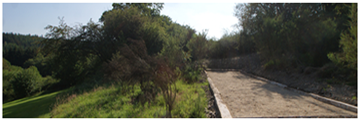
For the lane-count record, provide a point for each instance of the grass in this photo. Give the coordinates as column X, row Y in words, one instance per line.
column 191, row 101
column 30, row 107
column 113, row 102
column 108, row 101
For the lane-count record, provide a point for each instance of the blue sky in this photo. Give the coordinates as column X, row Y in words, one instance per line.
column 32, row 18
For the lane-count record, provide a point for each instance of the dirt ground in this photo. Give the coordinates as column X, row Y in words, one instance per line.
column 249, row 97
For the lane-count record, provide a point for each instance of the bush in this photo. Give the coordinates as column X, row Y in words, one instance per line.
column 269, row 64
column 192, row 73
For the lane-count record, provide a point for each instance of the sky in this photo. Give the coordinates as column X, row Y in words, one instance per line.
column 32, row 18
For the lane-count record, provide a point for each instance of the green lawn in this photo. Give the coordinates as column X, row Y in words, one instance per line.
column 30, row 107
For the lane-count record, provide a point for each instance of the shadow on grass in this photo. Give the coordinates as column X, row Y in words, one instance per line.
column 30, row 108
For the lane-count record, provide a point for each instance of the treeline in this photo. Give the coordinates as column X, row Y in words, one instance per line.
column 24, row 51
column 19, row 48
column 24, row 70
column 296, row 36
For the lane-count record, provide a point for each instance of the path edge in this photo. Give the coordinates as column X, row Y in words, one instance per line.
column 224, row 111
column 336, row 103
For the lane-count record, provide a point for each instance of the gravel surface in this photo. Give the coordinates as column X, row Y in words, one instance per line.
column 252, row 64
column 249, row 97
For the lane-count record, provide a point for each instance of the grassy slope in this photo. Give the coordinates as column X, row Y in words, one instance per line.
column 30, row 107
column 114, row 102
column 109, row 102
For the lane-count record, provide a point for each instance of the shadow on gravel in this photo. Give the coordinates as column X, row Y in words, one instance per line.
column 218, row 70
column 334, row 111
column 269, row 88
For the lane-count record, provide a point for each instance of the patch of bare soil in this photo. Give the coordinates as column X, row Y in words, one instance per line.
column 299, row 80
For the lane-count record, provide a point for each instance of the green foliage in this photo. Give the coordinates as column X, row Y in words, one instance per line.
column 198, row 46
column 126, row 30
column 27, row 82
column 175, row 49
column 293, row 34
column 19, row 82
column 8, row 89
column 346, row 59
column 269, row 64
column 41, row 63
column 348, row 43
column 69, row 57
column 146, row 9
column 173, row 53
column 192, row 73
column 18, row 48
column 6, row 64
column 9, row 74
column 230, row 45
column 21, row 40
column 154, row 36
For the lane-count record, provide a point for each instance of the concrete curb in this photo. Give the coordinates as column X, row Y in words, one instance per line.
column 320, row 116
column 224, row 111
column 315, row 96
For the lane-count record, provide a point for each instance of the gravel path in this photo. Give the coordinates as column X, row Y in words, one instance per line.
column 249, row 97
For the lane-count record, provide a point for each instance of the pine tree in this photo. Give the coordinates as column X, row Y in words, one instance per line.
column 348, row 43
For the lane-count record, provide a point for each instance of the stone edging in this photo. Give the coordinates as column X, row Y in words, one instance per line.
column 224, row 111
column 315, row 96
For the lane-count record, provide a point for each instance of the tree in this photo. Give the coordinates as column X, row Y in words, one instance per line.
column 26, row 82
column 348, row 43
column 147, row 9
column 69, row 52
column 198, row 46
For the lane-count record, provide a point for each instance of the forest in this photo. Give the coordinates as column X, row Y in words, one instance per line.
column 147, row 65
